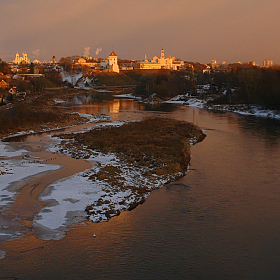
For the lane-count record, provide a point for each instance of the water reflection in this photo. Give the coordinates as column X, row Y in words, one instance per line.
column 221, row 221
column 108, row 103
column 104, row 103
column 266, row 128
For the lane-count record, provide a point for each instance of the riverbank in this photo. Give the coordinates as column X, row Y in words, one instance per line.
column 36, row 114
column 41, row 113
column 243, row 109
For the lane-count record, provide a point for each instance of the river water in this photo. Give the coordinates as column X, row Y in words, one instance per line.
column 220, row 221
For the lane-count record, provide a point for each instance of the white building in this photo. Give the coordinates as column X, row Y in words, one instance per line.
column 21, row 59
column 161, row 62
column 113, row 62
column 267, row 63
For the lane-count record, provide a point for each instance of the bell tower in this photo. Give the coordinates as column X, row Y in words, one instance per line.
column 162, row 53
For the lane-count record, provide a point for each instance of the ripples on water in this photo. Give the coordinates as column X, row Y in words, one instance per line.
column 221, row 221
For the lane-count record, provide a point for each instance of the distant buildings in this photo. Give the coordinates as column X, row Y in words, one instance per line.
column 36, row 61
column 110, row 64
column 267, row 63
column 147, row 65
column 161, row 62
column 213, row 63
column 4, row 85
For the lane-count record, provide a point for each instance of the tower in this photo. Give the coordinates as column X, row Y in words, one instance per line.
column 17, row 59
column 113, row 62
column 162, row 53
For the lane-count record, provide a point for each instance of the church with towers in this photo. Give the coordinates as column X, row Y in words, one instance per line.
column 21, row 59
column 164, row 62
column 160, row 62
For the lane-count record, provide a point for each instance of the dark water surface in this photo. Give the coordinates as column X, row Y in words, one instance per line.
column 221, row 221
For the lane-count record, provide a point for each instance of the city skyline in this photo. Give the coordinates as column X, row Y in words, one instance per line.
column 228, row 31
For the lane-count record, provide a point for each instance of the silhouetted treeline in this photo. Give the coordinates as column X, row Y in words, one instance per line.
column 253, row 85
column 164, row 84
column 235, row 85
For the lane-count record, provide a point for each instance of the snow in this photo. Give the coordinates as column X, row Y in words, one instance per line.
column 59, row 101
column 253, row 110
column 72, row 194
column 12, row 171
column 2, row 254
column 188, row 101
column 69, row 197
column 72, row 79
column 128, row 95
column 7, row 151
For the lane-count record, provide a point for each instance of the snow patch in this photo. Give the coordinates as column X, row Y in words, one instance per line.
column 7, row 151
column 12, row 171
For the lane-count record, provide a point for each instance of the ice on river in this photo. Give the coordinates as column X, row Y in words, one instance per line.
column 12, row 171
column 7, row 151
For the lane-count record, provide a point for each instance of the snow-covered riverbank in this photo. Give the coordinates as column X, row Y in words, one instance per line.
column 113, row 185
column 252, row 110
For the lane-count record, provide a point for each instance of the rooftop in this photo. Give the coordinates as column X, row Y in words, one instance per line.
column 113, row 54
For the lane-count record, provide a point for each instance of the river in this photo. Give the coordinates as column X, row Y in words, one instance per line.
column 220, row 221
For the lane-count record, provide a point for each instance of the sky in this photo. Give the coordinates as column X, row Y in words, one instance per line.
column 191, row 30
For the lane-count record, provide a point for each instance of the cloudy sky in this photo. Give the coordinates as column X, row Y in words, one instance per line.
column 192, row 30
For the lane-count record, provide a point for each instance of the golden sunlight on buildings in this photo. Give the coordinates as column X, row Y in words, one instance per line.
column 161, row 62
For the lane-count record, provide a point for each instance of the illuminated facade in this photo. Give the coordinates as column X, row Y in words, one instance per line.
column 267, row 63
column 113, row 62
column 21, row 59
column 165, row 63
column 161, row 62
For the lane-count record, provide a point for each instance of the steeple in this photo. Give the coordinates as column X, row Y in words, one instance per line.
column 162, row 53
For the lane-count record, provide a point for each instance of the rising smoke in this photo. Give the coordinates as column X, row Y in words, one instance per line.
column 86, row 51
column 36, row 53
column 98, row 50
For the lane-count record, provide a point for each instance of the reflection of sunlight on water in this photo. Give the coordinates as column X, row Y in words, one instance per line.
column 228, row 216
column 106, row 107
column 114, row 107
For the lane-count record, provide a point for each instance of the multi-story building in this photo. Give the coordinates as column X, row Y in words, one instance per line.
column 113, row 62
column 267, row 63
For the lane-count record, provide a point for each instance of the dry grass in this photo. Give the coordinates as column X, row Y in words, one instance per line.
column 35, row 113
column 161, row 144
column 150, row 152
